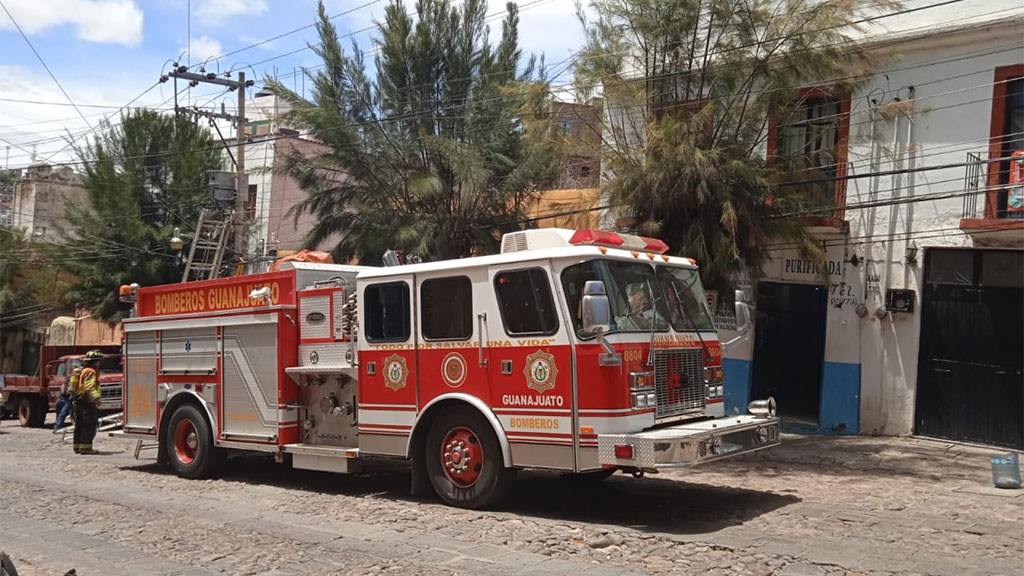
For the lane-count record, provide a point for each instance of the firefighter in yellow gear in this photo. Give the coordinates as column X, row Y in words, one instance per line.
column 87, row 401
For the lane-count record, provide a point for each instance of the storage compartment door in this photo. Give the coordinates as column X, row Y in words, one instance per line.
column 250, row 370
column 140, row 382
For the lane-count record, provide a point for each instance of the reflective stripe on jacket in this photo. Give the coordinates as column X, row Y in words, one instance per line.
column 89, row 385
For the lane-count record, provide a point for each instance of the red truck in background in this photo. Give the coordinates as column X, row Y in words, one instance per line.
column 32, row 396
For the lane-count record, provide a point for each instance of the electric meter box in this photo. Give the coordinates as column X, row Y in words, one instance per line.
column 899, row 301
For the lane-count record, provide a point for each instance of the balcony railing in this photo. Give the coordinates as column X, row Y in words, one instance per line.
column 974, row 186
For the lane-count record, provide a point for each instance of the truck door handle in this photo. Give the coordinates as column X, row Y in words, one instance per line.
column 480, row 320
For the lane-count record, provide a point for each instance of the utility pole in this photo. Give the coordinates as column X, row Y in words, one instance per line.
column 241, row 191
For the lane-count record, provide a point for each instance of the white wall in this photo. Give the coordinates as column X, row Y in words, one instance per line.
column 951, row 76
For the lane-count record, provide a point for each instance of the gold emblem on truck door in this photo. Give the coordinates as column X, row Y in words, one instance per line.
column 540, row 371
column 395, row 372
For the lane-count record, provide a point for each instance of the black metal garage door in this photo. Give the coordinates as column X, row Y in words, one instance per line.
column 970, row 383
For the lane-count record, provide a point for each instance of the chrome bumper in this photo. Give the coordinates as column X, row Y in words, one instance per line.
column 691, row 443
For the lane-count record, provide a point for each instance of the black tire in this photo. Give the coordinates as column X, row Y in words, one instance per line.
column 189, row 443
column 30, row 412
column 6, row 566
column 44, row 409
column 481, row 483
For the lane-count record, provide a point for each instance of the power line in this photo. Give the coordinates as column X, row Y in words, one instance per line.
column 412, row 116
column 295, row 31
column 487, row 18
column 43, row 62
column 555, row 89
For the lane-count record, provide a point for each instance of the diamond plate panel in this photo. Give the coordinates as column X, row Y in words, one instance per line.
column 643, row 450
column 309, row 305
column 679, row 381
column 332, row 354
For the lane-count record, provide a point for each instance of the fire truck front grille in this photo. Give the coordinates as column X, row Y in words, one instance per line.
column 679, row 382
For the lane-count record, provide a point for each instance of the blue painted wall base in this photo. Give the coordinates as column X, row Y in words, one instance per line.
column 737, row 385
column 840, row 397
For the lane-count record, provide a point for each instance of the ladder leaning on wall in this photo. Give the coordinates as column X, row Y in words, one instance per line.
column 207, row 249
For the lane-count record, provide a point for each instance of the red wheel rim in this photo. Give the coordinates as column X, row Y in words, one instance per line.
column 186, row 441
column 462, row 456
column 23, row 413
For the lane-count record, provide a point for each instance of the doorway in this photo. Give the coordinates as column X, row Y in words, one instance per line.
column 970, row 380
column 789, row 347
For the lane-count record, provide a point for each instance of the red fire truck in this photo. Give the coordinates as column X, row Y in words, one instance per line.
column 581, row 351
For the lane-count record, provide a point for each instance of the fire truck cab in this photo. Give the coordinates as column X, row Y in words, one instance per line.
column 580, row 351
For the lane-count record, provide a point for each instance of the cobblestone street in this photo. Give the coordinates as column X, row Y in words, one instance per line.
column 815, row 506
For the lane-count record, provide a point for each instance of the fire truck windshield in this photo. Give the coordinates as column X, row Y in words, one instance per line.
column 685, row 294
column 641, row 298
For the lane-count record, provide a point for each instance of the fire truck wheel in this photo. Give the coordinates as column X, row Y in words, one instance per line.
column 6, row 566
column 30, row 412
column 464, row 460
column 190, row 445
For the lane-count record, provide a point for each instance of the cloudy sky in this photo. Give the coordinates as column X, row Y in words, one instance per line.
column 105, row 53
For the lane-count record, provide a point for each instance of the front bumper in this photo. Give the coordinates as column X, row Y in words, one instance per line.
column 690, row 443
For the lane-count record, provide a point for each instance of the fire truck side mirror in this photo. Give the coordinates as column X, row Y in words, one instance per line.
column 597, row 316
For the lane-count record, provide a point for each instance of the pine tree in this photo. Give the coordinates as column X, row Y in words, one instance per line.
column 143, row 177
column 439, row 152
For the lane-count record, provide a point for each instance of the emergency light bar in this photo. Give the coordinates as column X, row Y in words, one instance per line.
column 547, row 238
column 616, row 240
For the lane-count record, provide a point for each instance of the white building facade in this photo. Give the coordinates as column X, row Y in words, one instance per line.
column 914, row 325
column 271, row 225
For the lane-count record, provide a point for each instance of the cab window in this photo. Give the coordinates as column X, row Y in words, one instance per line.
column 447, row 308
column 387, row 312
column 524, row 298
column 62, row 369
column 633, row 295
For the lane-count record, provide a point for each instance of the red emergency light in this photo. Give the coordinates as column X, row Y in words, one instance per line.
column 592, row 237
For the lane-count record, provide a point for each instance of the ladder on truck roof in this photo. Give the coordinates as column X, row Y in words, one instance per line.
column 207, row 250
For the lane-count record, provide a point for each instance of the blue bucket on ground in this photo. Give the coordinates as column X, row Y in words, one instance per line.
column 1006, row 471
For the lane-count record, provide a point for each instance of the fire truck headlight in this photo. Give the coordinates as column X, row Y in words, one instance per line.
column 652, row 399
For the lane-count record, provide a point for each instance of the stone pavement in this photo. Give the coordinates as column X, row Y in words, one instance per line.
column 816, row 506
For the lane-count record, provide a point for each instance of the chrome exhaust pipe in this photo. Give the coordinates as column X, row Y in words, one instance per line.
column 763, row 408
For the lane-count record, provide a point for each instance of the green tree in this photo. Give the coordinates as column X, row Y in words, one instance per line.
column 691, row 87
column 28, row 280
column 436, row 154
column 143, row 177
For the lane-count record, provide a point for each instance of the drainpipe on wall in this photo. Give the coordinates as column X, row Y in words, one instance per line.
column 880, row 312
column 911, row 165
column 870, row 264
